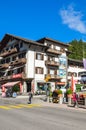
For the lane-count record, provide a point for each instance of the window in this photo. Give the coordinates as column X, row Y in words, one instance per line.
column 22, row 55
column 14, row 58
column 51, row 58
column 7, row 60
column 21, row 44
column 16, row 46
column 39, row 56
column 3, row 61
column 69, row 74
column 53, row 46
column 39, row 70
column 75, row 74
column 52, row 72
column 11, row 47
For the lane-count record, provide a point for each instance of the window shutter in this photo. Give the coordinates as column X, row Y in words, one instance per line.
column 48, row 71
column 42, row 57
column 55, row 72
column 36, row 70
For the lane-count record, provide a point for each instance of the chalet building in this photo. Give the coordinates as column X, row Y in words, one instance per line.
column 33, row 65
column 76, row 68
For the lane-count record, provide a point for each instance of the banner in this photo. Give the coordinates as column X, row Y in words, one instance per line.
column 84, row 63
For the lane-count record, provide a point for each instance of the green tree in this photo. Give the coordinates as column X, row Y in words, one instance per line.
column 78, row 49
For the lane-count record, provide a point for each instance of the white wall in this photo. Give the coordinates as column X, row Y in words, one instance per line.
column 76, row 70
column 30, row 64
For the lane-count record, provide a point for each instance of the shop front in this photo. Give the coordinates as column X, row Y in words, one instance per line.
column 10, row 87
column 43, row 87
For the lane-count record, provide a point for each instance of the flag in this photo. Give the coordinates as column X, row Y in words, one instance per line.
column 73, row 84
column 84, row 55
column 84, row 63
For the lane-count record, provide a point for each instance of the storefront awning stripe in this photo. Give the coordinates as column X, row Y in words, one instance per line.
column 10, row 84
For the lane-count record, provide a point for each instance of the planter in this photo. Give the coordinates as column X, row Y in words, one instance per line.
column 50, row 99
column 60, row 99
column 60, row 95
column 84, row 95
column 69, row 95
column 69, row 99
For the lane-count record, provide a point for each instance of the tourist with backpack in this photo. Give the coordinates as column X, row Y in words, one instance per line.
column 30, row 97
column 75, row 99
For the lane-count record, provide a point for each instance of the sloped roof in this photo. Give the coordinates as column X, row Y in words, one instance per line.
column 75, row 60
column 7, row 37
column 52, row 40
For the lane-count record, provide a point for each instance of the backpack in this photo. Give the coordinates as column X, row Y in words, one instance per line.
column 77, row 96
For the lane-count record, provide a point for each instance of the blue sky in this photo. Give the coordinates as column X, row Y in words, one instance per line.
column 62, row 20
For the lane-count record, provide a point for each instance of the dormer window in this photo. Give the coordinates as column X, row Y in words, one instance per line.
column 53, row 46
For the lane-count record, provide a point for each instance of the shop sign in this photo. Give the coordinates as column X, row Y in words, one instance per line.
column 63, row 66
column 17, row 76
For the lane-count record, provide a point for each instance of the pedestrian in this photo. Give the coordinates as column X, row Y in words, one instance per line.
column 30, row 97
column 75, row 100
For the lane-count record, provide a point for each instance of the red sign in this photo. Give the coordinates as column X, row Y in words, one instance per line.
column 3, row 89
column 17, row 76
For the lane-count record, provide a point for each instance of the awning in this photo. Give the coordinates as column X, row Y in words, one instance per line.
column 60, row 83
column 10, row 84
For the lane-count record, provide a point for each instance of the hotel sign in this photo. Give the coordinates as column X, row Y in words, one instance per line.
column 17, row 76
column 63, row 66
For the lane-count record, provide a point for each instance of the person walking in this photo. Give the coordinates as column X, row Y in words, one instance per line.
column 75, row 99
column 30, row 97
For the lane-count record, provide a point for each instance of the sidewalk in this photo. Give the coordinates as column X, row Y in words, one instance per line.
column 63, row 106
column 39, row 100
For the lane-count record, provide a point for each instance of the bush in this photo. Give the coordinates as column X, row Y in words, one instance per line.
column 15, row 88
column 58, row 91
column 69, row 91
column 50, row 94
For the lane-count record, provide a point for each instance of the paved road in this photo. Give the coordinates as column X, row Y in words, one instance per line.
column 42, row 118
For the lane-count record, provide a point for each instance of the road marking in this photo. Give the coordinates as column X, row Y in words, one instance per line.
column 5, row 107
column 14, row 106
column 35, row 105
column 18, row 106
column 23, row 105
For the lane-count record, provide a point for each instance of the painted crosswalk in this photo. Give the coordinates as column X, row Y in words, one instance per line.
column 19, row 106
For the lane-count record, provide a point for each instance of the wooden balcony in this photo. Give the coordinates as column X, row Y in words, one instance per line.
column 4, row 66
column 2, row 78
column 12, row 77
column 54, row 51
column 50, row 77
column 51, row 63
column 18, row 61
column 7, row 53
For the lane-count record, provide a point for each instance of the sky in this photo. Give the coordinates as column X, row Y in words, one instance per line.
column 62, row 20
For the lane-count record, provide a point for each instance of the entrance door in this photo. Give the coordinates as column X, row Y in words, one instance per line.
column 28, row 86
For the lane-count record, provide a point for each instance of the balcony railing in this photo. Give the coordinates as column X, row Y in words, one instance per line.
column 52, row 76
column 11, row 77
column 54, row 51
column 4, row 66
column 52, row 63
column 18, row 61
column 6, row 53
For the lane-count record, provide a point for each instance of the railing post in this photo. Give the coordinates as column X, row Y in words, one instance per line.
column 85, row 101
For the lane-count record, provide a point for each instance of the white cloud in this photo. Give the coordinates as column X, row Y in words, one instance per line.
column 73, row 19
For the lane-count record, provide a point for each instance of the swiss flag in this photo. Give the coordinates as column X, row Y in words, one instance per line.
column 73, row 83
